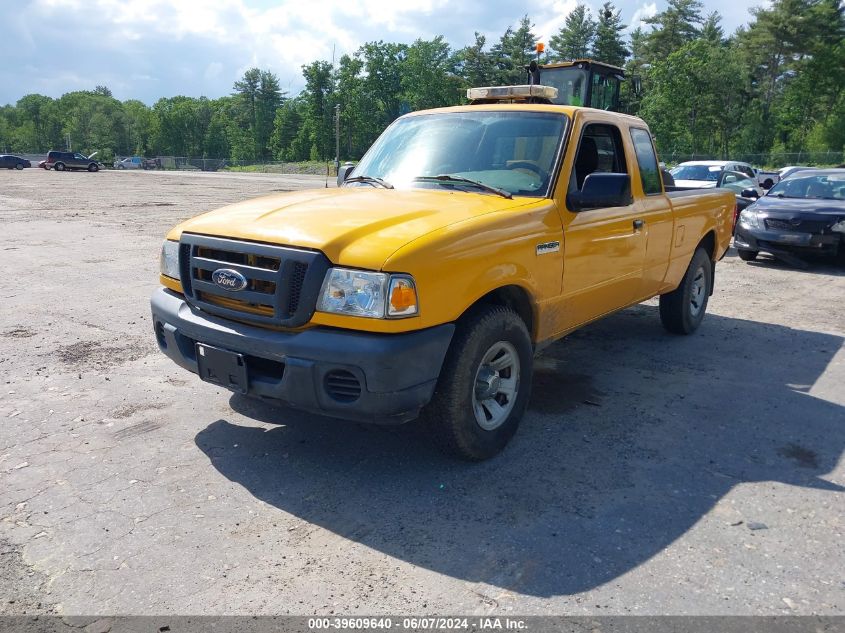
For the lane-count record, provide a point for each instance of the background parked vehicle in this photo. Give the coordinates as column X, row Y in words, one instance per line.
column 703, row 174
column 137, row 162
column 131, row 162
column 744, row 188
column 787, row 171
column 9, row 161
column 804, row 214
column 61, row 161
column 766, row 179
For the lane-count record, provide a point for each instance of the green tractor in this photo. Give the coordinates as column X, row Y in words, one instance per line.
column 581, row 82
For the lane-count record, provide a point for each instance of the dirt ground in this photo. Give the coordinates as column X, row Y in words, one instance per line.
column 653, row 474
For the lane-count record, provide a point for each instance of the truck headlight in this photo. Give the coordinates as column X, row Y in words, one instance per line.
column 170, row 259
column 367, row 294
column 748, row 218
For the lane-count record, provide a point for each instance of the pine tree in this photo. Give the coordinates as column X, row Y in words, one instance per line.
column 514, row 52
column 475, row 64
column 575, row 38
column 608, row 46
column 712, row 30
column 677, row 25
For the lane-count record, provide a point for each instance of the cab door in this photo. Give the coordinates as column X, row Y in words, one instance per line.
column 655, row 209
column 604, row 248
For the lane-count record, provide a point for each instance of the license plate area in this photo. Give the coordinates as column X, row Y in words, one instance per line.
column 222, row 367
column 793, row 238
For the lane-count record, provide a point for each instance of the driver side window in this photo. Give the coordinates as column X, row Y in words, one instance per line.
column 600, row 151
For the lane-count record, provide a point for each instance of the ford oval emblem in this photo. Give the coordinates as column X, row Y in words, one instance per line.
column 229, row 279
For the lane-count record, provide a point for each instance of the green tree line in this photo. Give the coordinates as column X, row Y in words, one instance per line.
column 775, row 85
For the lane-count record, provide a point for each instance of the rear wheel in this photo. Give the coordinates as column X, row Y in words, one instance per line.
column 484, row 384
column 59, row 166
column 747, row 256
column 682, row 310
column 93, row 167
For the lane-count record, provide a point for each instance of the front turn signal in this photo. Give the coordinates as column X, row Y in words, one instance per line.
column 403, row 297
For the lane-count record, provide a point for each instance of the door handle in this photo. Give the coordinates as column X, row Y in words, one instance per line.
column 638, row 224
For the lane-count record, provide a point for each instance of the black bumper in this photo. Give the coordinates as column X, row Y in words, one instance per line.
column 775, row 242
column 397, row 373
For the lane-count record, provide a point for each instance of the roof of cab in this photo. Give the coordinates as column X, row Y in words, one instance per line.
column 568, row 110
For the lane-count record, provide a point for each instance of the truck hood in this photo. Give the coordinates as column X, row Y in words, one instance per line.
column 353, row 226
column 797, row 206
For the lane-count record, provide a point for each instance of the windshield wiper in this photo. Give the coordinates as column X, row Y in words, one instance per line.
column 468, row 181
column 379, row 181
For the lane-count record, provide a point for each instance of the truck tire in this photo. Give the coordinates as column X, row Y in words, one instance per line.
column 747, row 256
column 484, row 384
column 682, row 310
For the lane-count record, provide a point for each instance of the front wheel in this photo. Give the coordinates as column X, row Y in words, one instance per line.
column 93, row 167
column 19, row 166
column 484, row 384
column 682, row 310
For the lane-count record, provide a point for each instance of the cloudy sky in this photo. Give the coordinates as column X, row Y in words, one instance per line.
column 145, row 49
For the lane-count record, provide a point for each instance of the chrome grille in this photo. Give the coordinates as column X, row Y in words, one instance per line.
column 281, row 282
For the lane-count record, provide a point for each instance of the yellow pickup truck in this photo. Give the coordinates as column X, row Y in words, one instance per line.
column 466, row 240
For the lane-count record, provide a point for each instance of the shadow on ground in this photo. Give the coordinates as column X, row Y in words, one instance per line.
column 632, row 438
column 811, row 263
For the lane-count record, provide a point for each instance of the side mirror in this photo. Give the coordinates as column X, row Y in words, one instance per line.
column 600, row 191
column 343, row 173
column 750, row 193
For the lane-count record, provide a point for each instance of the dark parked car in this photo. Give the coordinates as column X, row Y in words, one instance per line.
column 60, row 161
column 800, row 215
column 8, row 161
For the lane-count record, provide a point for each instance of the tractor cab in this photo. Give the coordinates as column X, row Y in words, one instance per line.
column 582, row 82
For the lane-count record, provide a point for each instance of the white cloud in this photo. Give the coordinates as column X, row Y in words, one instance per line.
column 551, row 24
column 644, row 11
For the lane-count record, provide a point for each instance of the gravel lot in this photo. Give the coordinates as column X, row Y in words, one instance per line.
column 653, row 474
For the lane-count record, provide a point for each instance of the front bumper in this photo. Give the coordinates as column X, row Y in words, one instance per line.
column 775, row 242
column 397, row 373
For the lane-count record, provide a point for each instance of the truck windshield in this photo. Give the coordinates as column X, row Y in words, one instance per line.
column 512, row 151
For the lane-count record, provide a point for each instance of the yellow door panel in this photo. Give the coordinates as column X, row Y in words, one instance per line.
column 603, row 263
column 658, row 220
